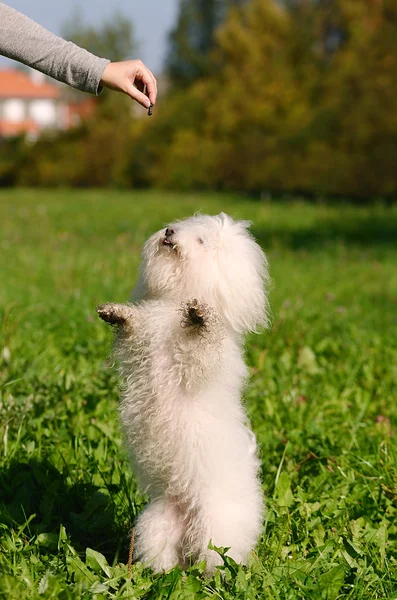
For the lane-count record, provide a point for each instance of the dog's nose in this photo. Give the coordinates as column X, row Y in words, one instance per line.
column 169, row 232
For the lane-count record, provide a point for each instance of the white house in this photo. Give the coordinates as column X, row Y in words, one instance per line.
column 31, row 103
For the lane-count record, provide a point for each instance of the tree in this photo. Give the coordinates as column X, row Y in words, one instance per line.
column 115, row 39
column 352, row 137
column 303, row 99
column 357, row 100
column 192, row 39
column 256, row 105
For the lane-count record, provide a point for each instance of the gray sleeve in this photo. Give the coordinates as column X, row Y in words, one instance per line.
column 27, row 42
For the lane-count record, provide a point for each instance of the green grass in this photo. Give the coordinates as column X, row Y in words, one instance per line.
column 322, row 400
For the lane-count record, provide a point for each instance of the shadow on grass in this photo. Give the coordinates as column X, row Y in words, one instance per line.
column 377, row 229
column 89, row 516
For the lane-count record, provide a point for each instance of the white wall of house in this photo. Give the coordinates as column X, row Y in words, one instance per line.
column 45, row 112
column 13, row 110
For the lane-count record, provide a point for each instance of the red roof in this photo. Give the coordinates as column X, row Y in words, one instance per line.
column 18, row 84
column 11, row 129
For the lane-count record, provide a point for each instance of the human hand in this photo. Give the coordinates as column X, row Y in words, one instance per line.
column 131, row 77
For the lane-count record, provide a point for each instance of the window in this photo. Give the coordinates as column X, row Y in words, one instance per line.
column 14, row 111
column 43, row 112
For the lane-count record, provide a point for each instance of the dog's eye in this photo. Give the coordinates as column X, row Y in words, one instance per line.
column 200, row 241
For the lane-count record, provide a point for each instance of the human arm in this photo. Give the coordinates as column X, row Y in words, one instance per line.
column 31, row 44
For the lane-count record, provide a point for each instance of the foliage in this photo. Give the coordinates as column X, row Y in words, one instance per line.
column 193, row 38
column 114, row 40
column 353, row 134
column 255, row 105
column 12, row 159
column 295, row 105
column 321, row 398
column 94, row 154
column 281, row 97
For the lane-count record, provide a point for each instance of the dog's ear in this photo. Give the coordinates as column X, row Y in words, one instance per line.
column 227, row 220
column 242, row 288
column 224, row 218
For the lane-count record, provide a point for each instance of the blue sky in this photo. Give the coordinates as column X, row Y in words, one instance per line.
column 152, row 20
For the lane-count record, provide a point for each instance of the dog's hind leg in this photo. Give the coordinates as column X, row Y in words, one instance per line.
column 158, row 534
column 229, row 524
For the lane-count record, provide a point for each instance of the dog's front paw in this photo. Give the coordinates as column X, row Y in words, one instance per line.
column 200, row 319
column 193, row 313
column 197, row 316
column 115, row 314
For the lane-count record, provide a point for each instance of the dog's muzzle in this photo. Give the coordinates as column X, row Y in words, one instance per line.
column 168, row 238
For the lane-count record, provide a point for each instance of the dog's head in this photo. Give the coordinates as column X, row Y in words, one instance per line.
column 214, row 259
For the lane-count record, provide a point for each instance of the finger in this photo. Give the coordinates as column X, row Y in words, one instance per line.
column 148, row 79
column 154, row 79
column 138, row 96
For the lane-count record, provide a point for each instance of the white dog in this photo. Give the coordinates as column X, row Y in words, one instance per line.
column 201, row 288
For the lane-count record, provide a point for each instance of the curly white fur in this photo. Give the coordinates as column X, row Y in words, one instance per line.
column 201, row 288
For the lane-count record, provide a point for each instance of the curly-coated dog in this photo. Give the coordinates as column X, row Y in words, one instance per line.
column 202, row 287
